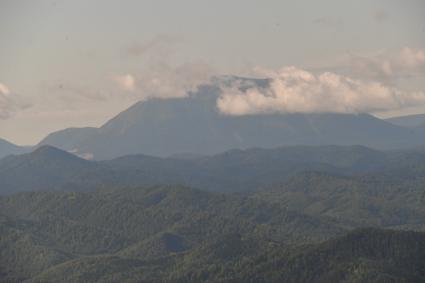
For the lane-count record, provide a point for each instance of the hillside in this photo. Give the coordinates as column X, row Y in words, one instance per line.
column 368, row 200
column 231, row 254
column 7, row 148
column 139, row 223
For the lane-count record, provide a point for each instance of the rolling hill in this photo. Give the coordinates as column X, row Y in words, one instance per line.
column 177, row 234
column 140, row 223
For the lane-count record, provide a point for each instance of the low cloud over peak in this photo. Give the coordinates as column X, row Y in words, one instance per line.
column 292, row 89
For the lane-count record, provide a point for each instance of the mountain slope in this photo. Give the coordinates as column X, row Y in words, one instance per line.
column 165, row 127
column 7, row 148
column 365, row 255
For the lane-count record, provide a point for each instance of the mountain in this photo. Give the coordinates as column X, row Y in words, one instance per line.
column 408, row 121
column 7, row 148
column 178, row 234
column 166, row 127
column 49, row 168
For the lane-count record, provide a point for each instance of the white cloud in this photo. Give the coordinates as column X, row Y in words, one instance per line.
column 165, row 81
column 9, row 102
column 126, row 82
column 295, row 90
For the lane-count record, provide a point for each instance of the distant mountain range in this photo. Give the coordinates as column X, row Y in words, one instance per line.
column 49, row 168
column 194, row 126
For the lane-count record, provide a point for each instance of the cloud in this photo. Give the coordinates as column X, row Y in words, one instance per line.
column 388, row 66
column 10, row 103
column 412, row 58
column 296, row 90
column 126, row 82
column 160, row 73
column 161, row 80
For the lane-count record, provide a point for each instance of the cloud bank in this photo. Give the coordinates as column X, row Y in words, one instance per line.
column 292, row 89
column 370, row 85
column 10, row 103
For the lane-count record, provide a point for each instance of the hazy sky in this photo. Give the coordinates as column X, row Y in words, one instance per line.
column 80, row 62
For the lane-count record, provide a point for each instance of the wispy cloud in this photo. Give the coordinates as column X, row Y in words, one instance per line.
column 159, row 73
column 387, row 66
column 293, row 89
column 10, row 103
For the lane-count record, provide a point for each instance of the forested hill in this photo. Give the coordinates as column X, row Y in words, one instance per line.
column 178, row 234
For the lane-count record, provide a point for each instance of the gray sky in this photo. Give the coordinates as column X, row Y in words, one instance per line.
column 80, row 62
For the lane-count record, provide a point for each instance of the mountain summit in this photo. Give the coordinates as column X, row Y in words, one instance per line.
column 164, row 127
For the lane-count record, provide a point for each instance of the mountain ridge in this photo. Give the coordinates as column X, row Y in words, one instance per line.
column 236, row 170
